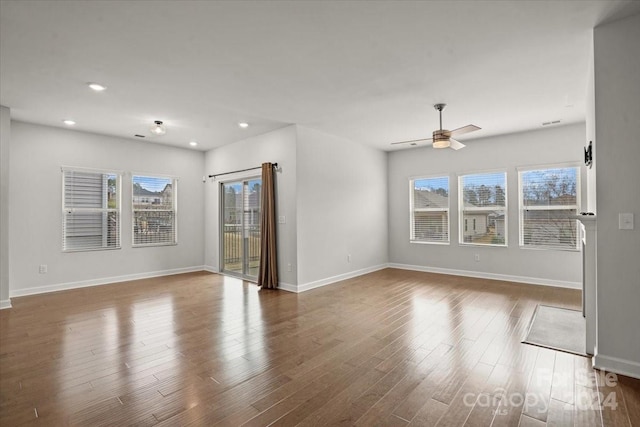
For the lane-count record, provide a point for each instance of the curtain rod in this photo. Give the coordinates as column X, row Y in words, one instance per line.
column 240, row 170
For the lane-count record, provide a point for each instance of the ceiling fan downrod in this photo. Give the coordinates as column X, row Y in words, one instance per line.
column 440, row 107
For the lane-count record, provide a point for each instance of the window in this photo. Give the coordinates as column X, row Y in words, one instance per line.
column 154, row 210
column 90, row 210
column 430, row 210
column 483, row 208
column 549, row 200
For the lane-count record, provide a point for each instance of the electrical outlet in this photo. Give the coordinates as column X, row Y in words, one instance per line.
column 43, row 269
column 289, row 268
column 476, row 257
column 282, row 219
column 349, row 258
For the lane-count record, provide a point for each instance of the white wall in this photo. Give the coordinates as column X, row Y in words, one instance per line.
column 342, row 208
column 506, row 152
column 278, row 146
column 5, row 137
column 37, row 153
column 332, row 193
column 617, row 112
column 591, row 136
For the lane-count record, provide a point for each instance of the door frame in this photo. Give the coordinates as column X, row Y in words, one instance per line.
column 238, row 178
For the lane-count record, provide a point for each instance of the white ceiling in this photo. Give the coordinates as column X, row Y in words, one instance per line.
column 367, row 71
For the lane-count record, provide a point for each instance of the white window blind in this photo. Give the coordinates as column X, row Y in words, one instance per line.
column 549, row 200
column 430, row 210
column 154, row 210
column 90, row 210
column 483, row 208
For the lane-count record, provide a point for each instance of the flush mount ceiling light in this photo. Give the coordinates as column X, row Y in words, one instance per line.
column 96, row 86
column 69, row 122
column 158, row 128
column 193, row 144
column 243, row 125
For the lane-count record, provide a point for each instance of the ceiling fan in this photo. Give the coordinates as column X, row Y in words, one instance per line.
column 442, row 138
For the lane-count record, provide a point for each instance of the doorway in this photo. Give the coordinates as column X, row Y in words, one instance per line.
column 240, row 227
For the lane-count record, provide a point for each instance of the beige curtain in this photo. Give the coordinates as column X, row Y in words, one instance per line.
column 268, row 275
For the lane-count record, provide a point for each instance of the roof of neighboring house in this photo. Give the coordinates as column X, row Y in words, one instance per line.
column 138, row 190
column 476, row 213
column 564, row 199
column 428, row 199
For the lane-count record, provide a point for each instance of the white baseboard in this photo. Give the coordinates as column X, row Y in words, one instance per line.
column 101, row 281
column 493, row 276
column 617, row 365
column 287, row 287
column 329, row 280
column 281, row 285
column 211, row 269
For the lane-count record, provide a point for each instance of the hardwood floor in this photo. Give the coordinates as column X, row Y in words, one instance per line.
column 393, row 348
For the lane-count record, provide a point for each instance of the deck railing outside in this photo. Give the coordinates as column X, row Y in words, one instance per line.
column 236, row 245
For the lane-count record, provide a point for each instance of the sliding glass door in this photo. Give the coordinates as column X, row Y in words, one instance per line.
column 240, row 228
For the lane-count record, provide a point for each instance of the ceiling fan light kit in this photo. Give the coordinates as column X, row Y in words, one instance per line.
column 442, row 138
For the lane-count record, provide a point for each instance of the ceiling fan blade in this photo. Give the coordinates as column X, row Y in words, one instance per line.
column 464, row 129
column 456, row 145
column 413, row 140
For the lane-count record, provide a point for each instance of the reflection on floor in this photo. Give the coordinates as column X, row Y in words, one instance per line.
column 388, row 348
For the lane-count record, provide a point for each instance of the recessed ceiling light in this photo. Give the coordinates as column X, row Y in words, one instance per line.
column 69, row 122
column 96, row 86
column 243, row 125
column 193, row 143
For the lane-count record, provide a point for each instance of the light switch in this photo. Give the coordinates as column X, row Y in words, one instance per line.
column 625, row 221
column 282, row 219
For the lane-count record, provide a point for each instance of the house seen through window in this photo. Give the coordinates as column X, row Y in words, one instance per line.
column 430, row 210
column 154, row 210
column 483, row 208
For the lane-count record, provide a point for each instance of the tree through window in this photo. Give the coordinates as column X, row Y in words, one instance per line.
column 483, row 208
column 549, row 200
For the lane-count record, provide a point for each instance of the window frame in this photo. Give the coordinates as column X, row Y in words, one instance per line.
column 174, row 194
column 65, row 210
column 412, row 211
column 521, row 207
column 461, row 210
